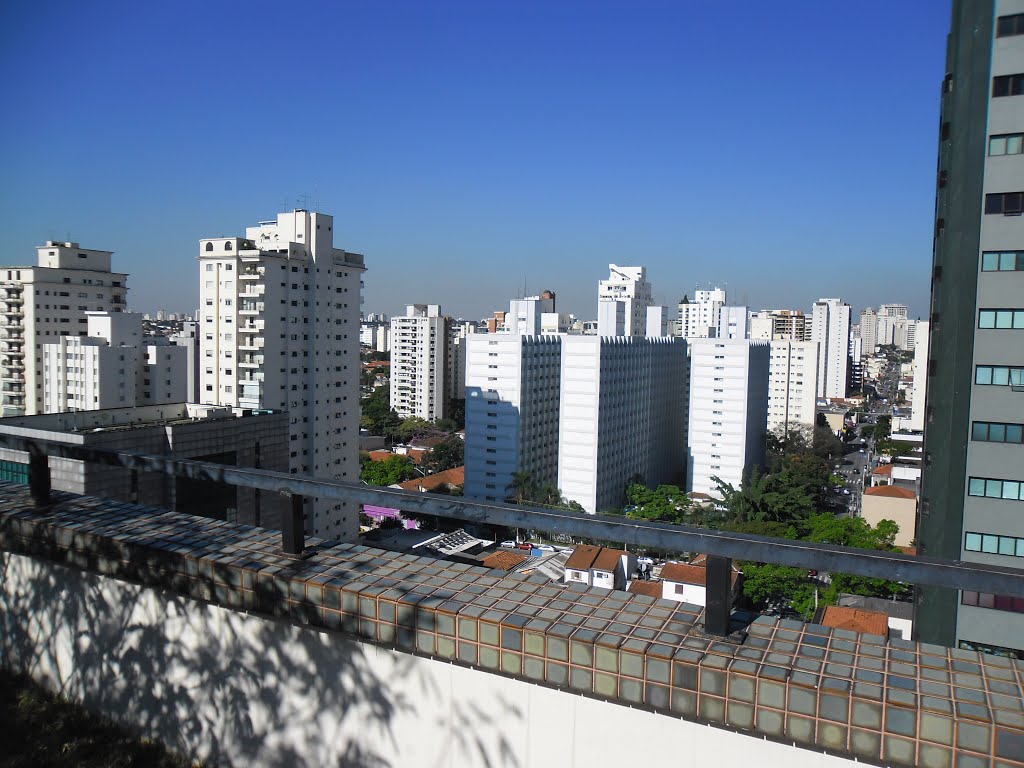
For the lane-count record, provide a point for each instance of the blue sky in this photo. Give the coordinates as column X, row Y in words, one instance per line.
column 469, row 149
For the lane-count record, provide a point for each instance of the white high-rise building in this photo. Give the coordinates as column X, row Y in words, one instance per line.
column 279, row 325
column 188, row 339
column 920, row 368
column 525, row 315
column 622, row 302
column 621, row 416
column 831, row 329
column 43, row 303
column 586, row 414
column 728, row 411
column 792, row 385
column 376, row 335
column 512, row 394
column 112, row 367
column 420, row 353
column 708, row 316
column 869, row 330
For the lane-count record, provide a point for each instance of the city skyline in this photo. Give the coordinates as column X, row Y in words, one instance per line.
column 515, row 148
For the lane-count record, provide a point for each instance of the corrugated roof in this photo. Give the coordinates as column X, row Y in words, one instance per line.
column 504, row 560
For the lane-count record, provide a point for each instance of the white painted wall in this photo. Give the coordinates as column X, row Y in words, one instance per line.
column 235, row 689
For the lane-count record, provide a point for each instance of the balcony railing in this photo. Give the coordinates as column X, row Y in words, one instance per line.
column 721, row 547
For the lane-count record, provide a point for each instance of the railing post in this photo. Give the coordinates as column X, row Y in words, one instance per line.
column 718, row 571
column 39, row 477
column 293, row 534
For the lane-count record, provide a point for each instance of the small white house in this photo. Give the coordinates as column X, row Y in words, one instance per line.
column 600, row 567
column 687, row 582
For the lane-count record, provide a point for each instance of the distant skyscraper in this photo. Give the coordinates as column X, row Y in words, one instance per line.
column 44, row 303
column 622, row 302
column 279, row 320
column 972, row 505
column 420, row 353
column 779, row 325
column 831, row 329
column 524, row 315
column 869, row 330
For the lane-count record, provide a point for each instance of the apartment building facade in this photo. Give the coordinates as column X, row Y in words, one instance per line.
column 622, row 302
column 113, row 366
column 420, row 362
column 279, row 327
column 44, row 303
column 728, row 411
column 792, row 385
column 830, row 328
column 972, row 504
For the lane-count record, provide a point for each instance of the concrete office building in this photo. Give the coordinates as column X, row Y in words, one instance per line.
column 222, row 435
column 112, row 367
column 792, row 385
column 279, row 324
column 622, row 302
column 420, row 355
column 525, row 315
column 830, row 328
column 621, row 416
column 973, row 482
column 512, row 396
column 44, row 303
column 728, row 411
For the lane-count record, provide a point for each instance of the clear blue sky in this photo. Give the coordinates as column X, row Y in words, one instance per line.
column 471, row 148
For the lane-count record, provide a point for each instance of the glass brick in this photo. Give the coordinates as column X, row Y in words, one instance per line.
column 712, row 708
column 770, row 722
column 606, row 685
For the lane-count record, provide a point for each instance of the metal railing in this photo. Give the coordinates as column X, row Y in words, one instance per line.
column 721, row 547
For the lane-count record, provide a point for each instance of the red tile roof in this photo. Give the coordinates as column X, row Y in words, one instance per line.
column 504, row 560
column 650, row 588
column 456, row 476
column 693, row 572
column 582, row 557
column 892, row 491
column 884, row 469
column 608, row 559
column 856, row 620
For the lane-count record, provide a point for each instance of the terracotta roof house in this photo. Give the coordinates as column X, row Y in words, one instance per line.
column 881, row 475
column 856, row 620
column 600, row 567
column 449, row 478
column 687, row 582
column 504, row 559
column 649, row 588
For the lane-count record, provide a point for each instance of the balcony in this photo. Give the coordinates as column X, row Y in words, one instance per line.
column 250, row 307
column 250, row 273
column 250, row 361
column 514, row 661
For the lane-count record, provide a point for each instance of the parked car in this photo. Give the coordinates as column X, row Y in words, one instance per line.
column 526, row 545
column 545, row 548
column 508, row 544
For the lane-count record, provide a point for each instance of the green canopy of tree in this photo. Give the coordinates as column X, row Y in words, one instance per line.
column 445, row 455
column 377, row 416
column 525, row 490
column 393, row 469
column 666, row 503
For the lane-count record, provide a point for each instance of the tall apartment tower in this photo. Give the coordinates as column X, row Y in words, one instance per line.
column 830, row 327
column 728, row 410
column 420, row 353
column 622, row 302
column 279, row 326
column 868, row 330
column 512, row 397
column 43, row 303
column 778, row 325
column 792, row 385
column 972, row 505
column 113, row 366
column 524, row 315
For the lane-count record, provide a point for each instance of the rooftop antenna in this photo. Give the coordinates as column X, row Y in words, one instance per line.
column 302, row 201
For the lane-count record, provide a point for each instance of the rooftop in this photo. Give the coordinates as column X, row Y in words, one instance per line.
column 856, row 620
column 891, row 491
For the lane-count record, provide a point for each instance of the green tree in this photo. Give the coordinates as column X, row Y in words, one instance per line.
column 522, row 488
column 393, row 469
column 377, row 416
column 447, row 454
column 414, row 427
column 666, row 503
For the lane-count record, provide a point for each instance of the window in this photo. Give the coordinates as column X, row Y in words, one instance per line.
column 1011, row 490
column 1002, row 261
column 992, row 432
column 1007, row 85
column 1011, row 546
column 1006, row 203
column 1006, row 144
column 1001, row 319
column 227, row 246
column 1008, row 26
column 997, row 375
column 998, row 602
